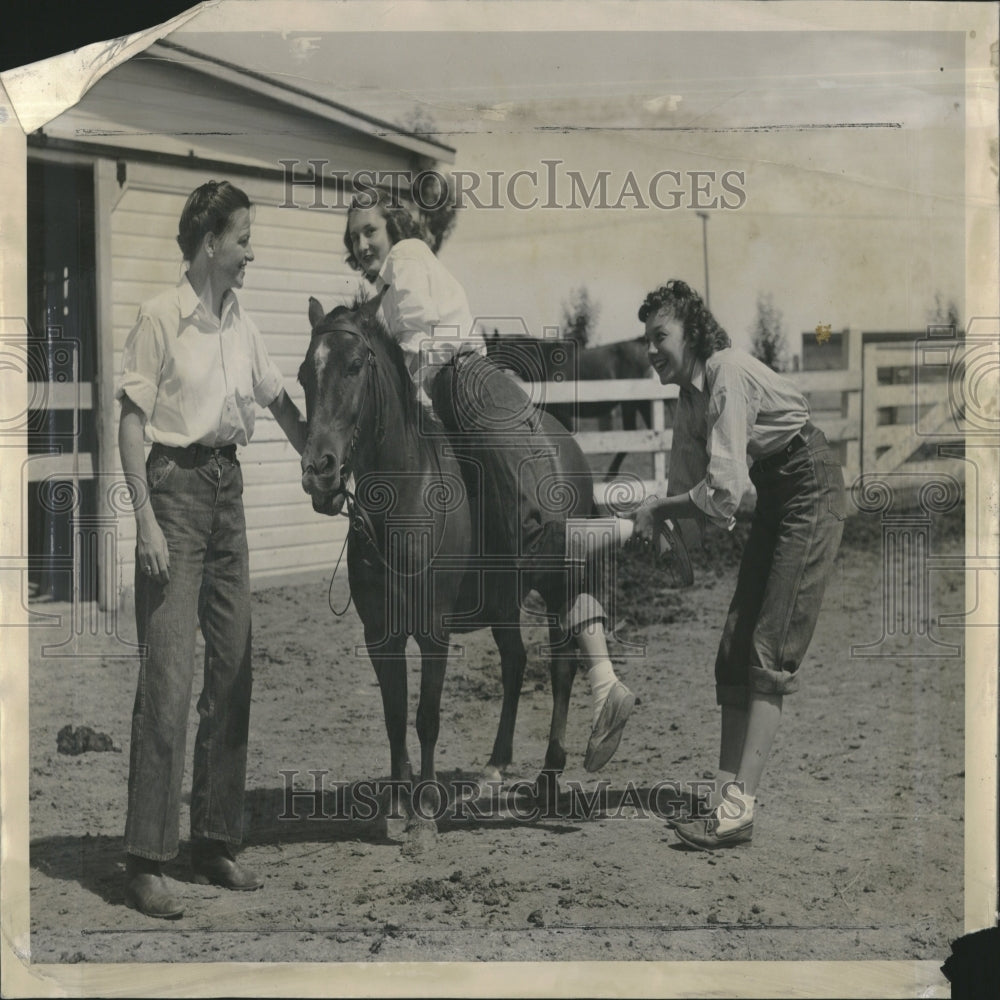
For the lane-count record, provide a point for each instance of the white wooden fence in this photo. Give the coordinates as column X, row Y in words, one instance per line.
column 892, row 408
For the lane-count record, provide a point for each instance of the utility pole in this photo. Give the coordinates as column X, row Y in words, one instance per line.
column 704, row 242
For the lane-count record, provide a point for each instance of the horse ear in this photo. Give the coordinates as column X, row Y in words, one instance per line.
column 370, row 306
column 316, row 313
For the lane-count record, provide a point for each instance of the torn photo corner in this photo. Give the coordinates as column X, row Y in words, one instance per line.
column 43, row 90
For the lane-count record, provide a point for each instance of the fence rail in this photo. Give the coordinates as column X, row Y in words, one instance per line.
column 877, row 412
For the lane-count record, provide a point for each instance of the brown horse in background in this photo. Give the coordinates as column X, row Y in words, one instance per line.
column 549, row 360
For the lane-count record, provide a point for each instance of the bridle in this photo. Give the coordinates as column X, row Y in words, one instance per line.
column 357, row 516
column 359, row 520
column 369, row 366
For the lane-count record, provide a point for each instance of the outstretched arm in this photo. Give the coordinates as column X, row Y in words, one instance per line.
column 655, row 510
column 290, row 420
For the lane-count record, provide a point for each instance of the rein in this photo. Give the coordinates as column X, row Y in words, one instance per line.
column 357, row 516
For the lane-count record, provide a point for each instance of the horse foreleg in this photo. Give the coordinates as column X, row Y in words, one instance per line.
column 427, row 803
column 512, row 663
column 434, row 660
column 390, row 669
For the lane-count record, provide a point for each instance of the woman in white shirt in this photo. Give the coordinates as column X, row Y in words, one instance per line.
column 426, row 310
column 194, row 369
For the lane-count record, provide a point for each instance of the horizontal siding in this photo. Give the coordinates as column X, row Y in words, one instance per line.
column 289, row 563
column 287, row 228
column 280, row 260
column 298, row 253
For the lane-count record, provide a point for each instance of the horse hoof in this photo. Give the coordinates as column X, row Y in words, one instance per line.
column 482, row 787
column 390, row 827
column 421, row 836
column 547, row 790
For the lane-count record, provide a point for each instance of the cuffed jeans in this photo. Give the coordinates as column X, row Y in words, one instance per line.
column 794, row 538
column 198, row 504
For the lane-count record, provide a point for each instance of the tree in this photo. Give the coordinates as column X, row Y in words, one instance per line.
column 945, row 314
column 769, row 343
column 580, row 316
column 433, row 197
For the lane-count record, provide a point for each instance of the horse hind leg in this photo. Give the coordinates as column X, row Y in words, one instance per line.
column 616, row 464
column 562, row 669
column 512, row 663
column 629, row 413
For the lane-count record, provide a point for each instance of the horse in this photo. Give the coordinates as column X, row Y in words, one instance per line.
column 413, row 551
column 550, row 360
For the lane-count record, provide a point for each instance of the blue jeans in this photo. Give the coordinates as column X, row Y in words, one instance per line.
column 198, row 503
column 794, row 538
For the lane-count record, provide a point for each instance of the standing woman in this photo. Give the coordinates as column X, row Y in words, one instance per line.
column 732, row 410
column 194, row 369
column 426, row 310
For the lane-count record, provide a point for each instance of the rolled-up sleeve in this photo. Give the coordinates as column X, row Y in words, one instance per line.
column 731, row 414
column 688, row 459
column 267, row 378
column 142, row 363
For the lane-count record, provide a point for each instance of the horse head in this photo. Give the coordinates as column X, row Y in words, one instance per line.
column 338, row 376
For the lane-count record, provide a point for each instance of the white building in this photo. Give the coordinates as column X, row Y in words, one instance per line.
column 107, row 180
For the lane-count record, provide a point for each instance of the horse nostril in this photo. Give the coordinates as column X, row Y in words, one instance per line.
column 326, row 463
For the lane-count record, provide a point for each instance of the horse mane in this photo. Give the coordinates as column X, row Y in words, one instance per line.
column 364, row 312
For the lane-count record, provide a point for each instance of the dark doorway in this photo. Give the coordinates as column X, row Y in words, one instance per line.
column 62, row 347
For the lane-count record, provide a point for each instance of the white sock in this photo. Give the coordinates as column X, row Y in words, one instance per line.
column 723, row 779
column 736, row 810
column 602, row 678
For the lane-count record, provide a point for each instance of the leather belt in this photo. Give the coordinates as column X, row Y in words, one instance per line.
column 197, row 454
column 777, row 458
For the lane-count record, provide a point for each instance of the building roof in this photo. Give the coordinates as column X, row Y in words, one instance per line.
column 301, row 100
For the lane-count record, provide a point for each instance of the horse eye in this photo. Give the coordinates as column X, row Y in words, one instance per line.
column 355, row 366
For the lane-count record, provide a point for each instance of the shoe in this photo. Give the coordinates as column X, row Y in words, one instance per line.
column 687, row 812
column 703, row 834
column 150, row 894
column 607, row 731
column 214, row 864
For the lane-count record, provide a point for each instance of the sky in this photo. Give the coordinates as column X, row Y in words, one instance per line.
column 844, row 153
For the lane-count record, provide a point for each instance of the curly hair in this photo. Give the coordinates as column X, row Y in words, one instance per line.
column 701, row 330
column 399, row 223
column 208, row 210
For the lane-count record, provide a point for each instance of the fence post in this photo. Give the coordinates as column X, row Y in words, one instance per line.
column 869, row 407
column 852, row 404
column 659, row 408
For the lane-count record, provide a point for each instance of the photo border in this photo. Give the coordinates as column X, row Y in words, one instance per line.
column 882, row 978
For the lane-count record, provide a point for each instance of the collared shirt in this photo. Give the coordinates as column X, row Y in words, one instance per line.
column 735, row 411
column 423, row 300
column 196, row 378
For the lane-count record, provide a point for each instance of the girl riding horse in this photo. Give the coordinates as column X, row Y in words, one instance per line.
column 427, row 312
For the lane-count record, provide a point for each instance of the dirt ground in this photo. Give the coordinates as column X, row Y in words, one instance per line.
column 858, row 849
